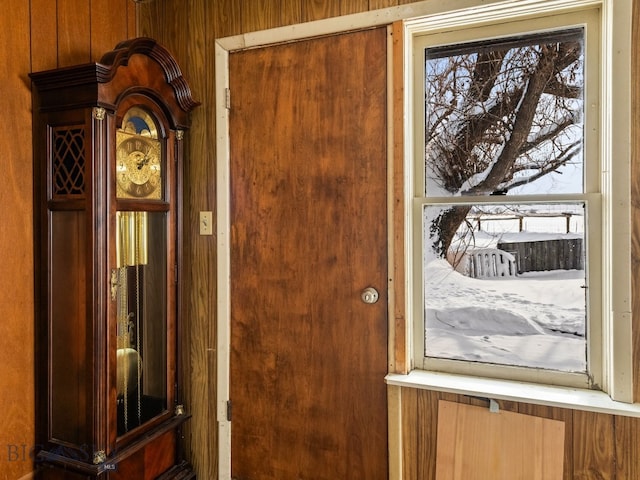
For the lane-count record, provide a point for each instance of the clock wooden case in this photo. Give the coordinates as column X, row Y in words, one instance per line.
column 108, row 149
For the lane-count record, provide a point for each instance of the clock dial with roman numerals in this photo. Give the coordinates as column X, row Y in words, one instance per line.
column 138, row 167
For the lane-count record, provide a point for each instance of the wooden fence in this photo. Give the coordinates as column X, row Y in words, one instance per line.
column 564, row 254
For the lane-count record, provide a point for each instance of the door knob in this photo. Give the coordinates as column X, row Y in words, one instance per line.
column 369, row 295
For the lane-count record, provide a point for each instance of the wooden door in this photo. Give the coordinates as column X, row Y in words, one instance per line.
column 308, row 234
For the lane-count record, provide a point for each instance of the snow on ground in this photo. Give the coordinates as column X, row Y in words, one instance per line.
column 536, row 319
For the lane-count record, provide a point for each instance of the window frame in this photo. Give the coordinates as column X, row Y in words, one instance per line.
column 609, row 335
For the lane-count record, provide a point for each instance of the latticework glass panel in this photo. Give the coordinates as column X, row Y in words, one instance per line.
column 68, row 161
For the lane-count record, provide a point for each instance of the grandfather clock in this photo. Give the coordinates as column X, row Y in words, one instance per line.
column 108, row 146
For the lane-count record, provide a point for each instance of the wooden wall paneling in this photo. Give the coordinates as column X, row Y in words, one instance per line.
column 409, row 409
column 170, row 23
column 319, row 9
column 353, row 6
column 261, row 15
column 376, row 4
column 153, row 22
column 627, row 444
column 188, row 30
column 474, row 442
column 593, row 446
column 206, row 193
column 564, row 415
column 200, row 251
column 44, row 28
column 16, row 244
column 132, row 20
column 175, row 30
column 227, row 18
column 74, row 32
column 635, row 194
column 427, row 426
column 109, row 25
column 291, row 12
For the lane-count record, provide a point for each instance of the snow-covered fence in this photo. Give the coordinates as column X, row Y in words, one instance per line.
column 560, row 222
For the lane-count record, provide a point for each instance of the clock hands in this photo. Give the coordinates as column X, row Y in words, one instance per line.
column 144, row 161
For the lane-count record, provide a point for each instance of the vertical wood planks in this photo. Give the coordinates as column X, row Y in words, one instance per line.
column 291, row 12
column 74, row 32
column 353, row 6
column 108, row 25
column 410, row 436
column 318, row 9
column 261, row 15
column 199, row 360
column 593, row 446
column 16, row 245
column 376, row 4
column 627, row 447
column 70, row 32
column 227, row 18
column 44, row 31
column 149, row 14
column 189, row 30
column 427, row 427
column 132, row 21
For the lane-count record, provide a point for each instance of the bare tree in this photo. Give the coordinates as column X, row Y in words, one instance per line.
column 498, row 117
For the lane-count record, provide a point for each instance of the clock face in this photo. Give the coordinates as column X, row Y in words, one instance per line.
column 138, row 167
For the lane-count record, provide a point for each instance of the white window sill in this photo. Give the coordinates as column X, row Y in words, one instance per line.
column 551, row 396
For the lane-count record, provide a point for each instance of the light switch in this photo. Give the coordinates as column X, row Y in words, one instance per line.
column 206, row 223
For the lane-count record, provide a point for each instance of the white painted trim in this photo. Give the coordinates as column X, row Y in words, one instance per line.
column 546, row 395
column 396, row 447
column 616, row 96
column 479, row 13
column 223, row 197
column 356, row 21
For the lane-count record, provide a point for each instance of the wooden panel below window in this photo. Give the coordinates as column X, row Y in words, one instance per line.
column 596, row 445
column 474, row 442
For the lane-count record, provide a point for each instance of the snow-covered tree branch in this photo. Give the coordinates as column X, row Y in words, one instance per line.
column 499, row 117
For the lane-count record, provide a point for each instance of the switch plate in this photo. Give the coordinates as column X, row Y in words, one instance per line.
column 206, row 223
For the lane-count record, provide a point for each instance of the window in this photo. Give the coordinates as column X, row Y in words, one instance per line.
column 513, row 235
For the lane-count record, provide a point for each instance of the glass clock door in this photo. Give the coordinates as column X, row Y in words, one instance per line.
column 141, row 366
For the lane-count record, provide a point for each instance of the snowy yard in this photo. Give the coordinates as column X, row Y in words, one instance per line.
column 536, row 319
